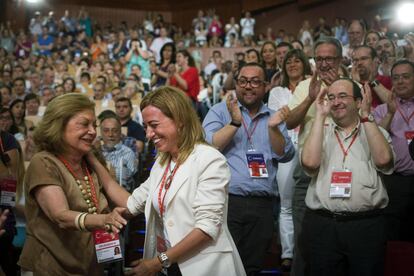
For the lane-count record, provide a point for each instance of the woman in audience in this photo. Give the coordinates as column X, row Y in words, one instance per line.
column 185, row 75
column 18, row 108
column 64, row 197
column 252, row 55
column 295, row 69
column 69, row 85
column 269, row 61
column 167, row 53
column 185, row 197
column 371, row 38
column 98, row 47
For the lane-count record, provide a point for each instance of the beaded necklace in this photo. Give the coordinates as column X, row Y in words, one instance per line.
column 88, row 190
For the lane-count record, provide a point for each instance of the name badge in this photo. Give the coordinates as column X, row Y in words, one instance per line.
column 107, row 246
column 341, row 181
column 256, row 165
column 409, row 135
column 8, row 186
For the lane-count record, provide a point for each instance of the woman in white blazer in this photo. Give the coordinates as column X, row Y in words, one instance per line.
column 185, row 196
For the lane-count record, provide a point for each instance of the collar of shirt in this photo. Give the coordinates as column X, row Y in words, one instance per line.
column 403, row 101
column 262, row 110
column 342, row 132
column 115, row 148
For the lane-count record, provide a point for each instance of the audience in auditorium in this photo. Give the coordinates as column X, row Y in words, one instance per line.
column 116, row 65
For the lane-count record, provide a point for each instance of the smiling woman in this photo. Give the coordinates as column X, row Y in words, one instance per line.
column 64, row 199
column 185, row 197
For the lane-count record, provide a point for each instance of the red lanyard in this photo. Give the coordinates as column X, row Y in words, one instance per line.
column 166, row 181
column 88, row 175
column 345, row 152
column 249, row 135
column 405, row 118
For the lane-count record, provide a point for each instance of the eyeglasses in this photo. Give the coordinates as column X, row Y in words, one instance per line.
column 341, row 97
column 254, row 83
column 403, row 76
column 356, row 60
column 328, row 60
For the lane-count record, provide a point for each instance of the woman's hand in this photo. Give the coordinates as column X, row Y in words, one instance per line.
column 145, row 267
column 114, row 221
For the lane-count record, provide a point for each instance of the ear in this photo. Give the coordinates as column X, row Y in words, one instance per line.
column 358, row 102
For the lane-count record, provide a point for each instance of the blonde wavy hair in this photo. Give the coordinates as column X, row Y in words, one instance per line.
column 48, row 135
column 176, row 105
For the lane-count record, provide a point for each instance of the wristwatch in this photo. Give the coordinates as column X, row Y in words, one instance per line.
column 164, row 260
column 369, row 118
column 236, row 124
column 374, row 83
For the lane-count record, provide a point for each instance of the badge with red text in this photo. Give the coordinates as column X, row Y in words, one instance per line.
column 341, row 181
column 107, row 246
column 409, row 135
column 8, row 187
column 256, row 165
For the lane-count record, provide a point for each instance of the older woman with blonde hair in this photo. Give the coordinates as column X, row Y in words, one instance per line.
column 185, row 197
column 64, row 197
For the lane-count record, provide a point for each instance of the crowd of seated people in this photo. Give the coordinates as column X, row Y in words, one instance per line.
column 117, row 65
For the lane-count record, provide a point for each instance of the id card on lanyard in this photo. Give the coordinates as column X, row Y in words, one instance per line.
column 256, row 163
column 8, row 183
column 341, row 183
column 107, row 246
column 409, row 134
column 8, row 186
column 341, row 178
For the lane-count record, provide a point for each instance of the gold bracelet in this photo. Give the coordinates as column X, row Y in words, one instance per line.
column 82, row 222
column 77, row 221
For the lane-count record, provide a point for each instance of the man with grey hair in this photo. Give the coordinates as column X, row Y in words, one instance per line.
column 328, row 57
column 118, row 156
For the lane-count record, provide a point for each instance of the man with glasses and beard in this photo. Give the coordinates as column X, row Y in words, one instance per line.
column 365, row 64
column 253, row 138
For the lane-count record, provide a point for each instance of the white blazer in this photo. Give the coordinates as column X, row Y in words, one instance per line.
column 197, row 198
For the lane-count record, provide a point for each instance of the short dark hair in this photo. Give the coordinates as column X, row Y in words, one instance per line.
column 19, row 79
column 284, row 44
column 373, row 53
column 401, row 62
column 251, row 64
column 7, row 87
column 356, row 89
column 124, row 99
column 31, row 96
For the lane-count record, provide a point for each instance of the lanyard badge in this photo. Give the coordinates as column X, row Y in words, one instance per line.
column 255, row 160
column 341, row 183
column 8, row 186
column 256, row 165
column 107, row 246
